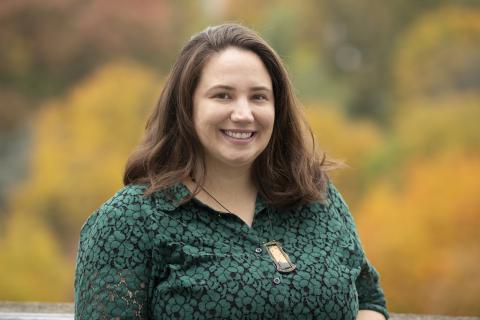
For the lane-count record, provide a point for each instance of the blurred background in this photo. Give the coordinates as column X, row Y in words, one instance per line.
column 392, row 87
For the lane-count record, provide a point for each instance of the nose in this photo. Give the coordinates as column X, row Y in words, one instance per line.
column 242, row 111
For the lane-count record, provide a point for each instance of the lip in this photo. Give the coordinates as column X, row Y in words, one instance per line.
column 239, row 141
column 239, row 130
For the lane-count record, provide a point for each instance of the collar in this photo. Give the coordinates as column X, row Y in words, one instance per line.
column 171, row 198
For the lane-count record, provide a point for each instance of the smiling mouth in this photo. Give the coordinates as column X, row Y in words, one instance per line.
column 243, row 135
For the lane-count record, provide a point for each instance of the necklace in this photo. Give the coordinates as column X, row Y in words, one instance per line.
column 274, row 248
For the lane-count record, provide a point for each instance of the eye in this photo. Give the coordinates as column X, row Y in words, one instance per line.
column 260, row 97
column 222, row 96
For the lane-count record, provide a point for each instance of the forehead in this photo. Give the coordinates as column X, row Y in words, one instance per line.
column 235, row 66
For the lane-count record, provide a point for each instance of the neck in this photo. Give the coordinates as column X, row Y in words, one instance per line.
column 229, row 181
column 228, row 188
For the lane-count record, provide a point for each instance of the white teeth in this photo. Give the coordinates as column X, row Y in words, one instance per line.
column 238, row 135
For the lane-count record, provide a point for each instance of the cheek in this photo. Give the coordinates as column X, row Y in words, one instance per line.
column 266, row 118
column 206, row 123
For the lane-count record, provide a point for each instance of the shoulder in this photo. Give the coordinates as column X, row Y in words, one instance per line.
column 333, row 209
column 130, row 200
column 118, row 234
column 334, row 197
column 338, row 207
column 128, row 206
column 128, row 195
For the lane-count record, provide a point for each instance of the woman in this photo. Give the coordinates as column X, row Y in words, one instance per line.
column 227, row 211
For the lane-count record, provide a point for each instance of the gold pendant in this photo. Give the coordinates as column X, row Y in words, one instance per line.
column 279, row 257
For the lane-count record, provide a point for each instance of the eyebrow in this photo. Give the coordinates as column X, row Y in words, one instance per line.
column 229, row 88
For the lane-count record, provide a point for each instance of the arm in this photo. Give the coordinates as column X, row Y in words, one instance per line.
column 370, row 315
column 371, row 298
column 113, row 268
column 370, row 294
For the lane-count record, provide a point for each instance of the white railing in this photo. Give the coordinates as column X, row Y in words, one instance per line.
column 64, row 311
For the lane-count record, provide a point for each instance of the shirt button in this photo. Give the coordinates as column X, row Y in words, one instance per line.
column 258, row 250
column 276, row 280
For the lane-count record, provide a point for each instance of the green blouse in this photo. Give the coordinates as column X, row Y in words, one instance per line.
column 152, row 258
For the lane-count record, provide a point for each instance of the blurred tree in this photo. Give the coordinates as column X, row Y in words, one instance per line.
column 426, row 128
column 422, row 235
column 418, row 219
column 49, row 45
column 439, row 54
column 347, row 54
column 359, row 40
column 80, row 147
column 347, row 140
column 32, row 267
column 337, row 50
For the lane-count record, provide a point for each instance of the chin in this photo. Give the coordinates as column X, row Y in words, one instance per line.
column 238, row 162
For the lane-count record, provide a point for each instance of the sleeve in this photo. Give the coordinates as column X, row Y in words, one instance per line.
column 370, row 293
column 113, row 262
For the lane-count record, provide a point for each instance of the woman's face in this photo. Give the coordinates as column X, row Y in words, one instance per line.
column 233, row 108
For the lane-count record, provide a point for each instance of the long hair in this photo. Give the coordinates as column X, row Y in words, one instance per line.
column 291, row 171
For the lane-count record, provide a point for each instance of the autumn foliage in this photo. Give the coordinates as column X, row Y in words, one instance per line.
column 412, row 182
column 80, row 145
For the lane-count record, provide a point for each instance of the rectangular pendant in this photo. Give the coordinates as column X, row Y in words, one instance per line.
column 279, row 257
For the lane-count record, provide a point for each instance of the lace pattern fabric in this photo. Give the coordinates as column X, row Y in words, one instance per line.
column 150, row 258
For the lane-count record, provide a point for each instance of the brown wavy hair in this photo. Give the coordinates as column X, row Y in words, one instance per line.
column 291, row 171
